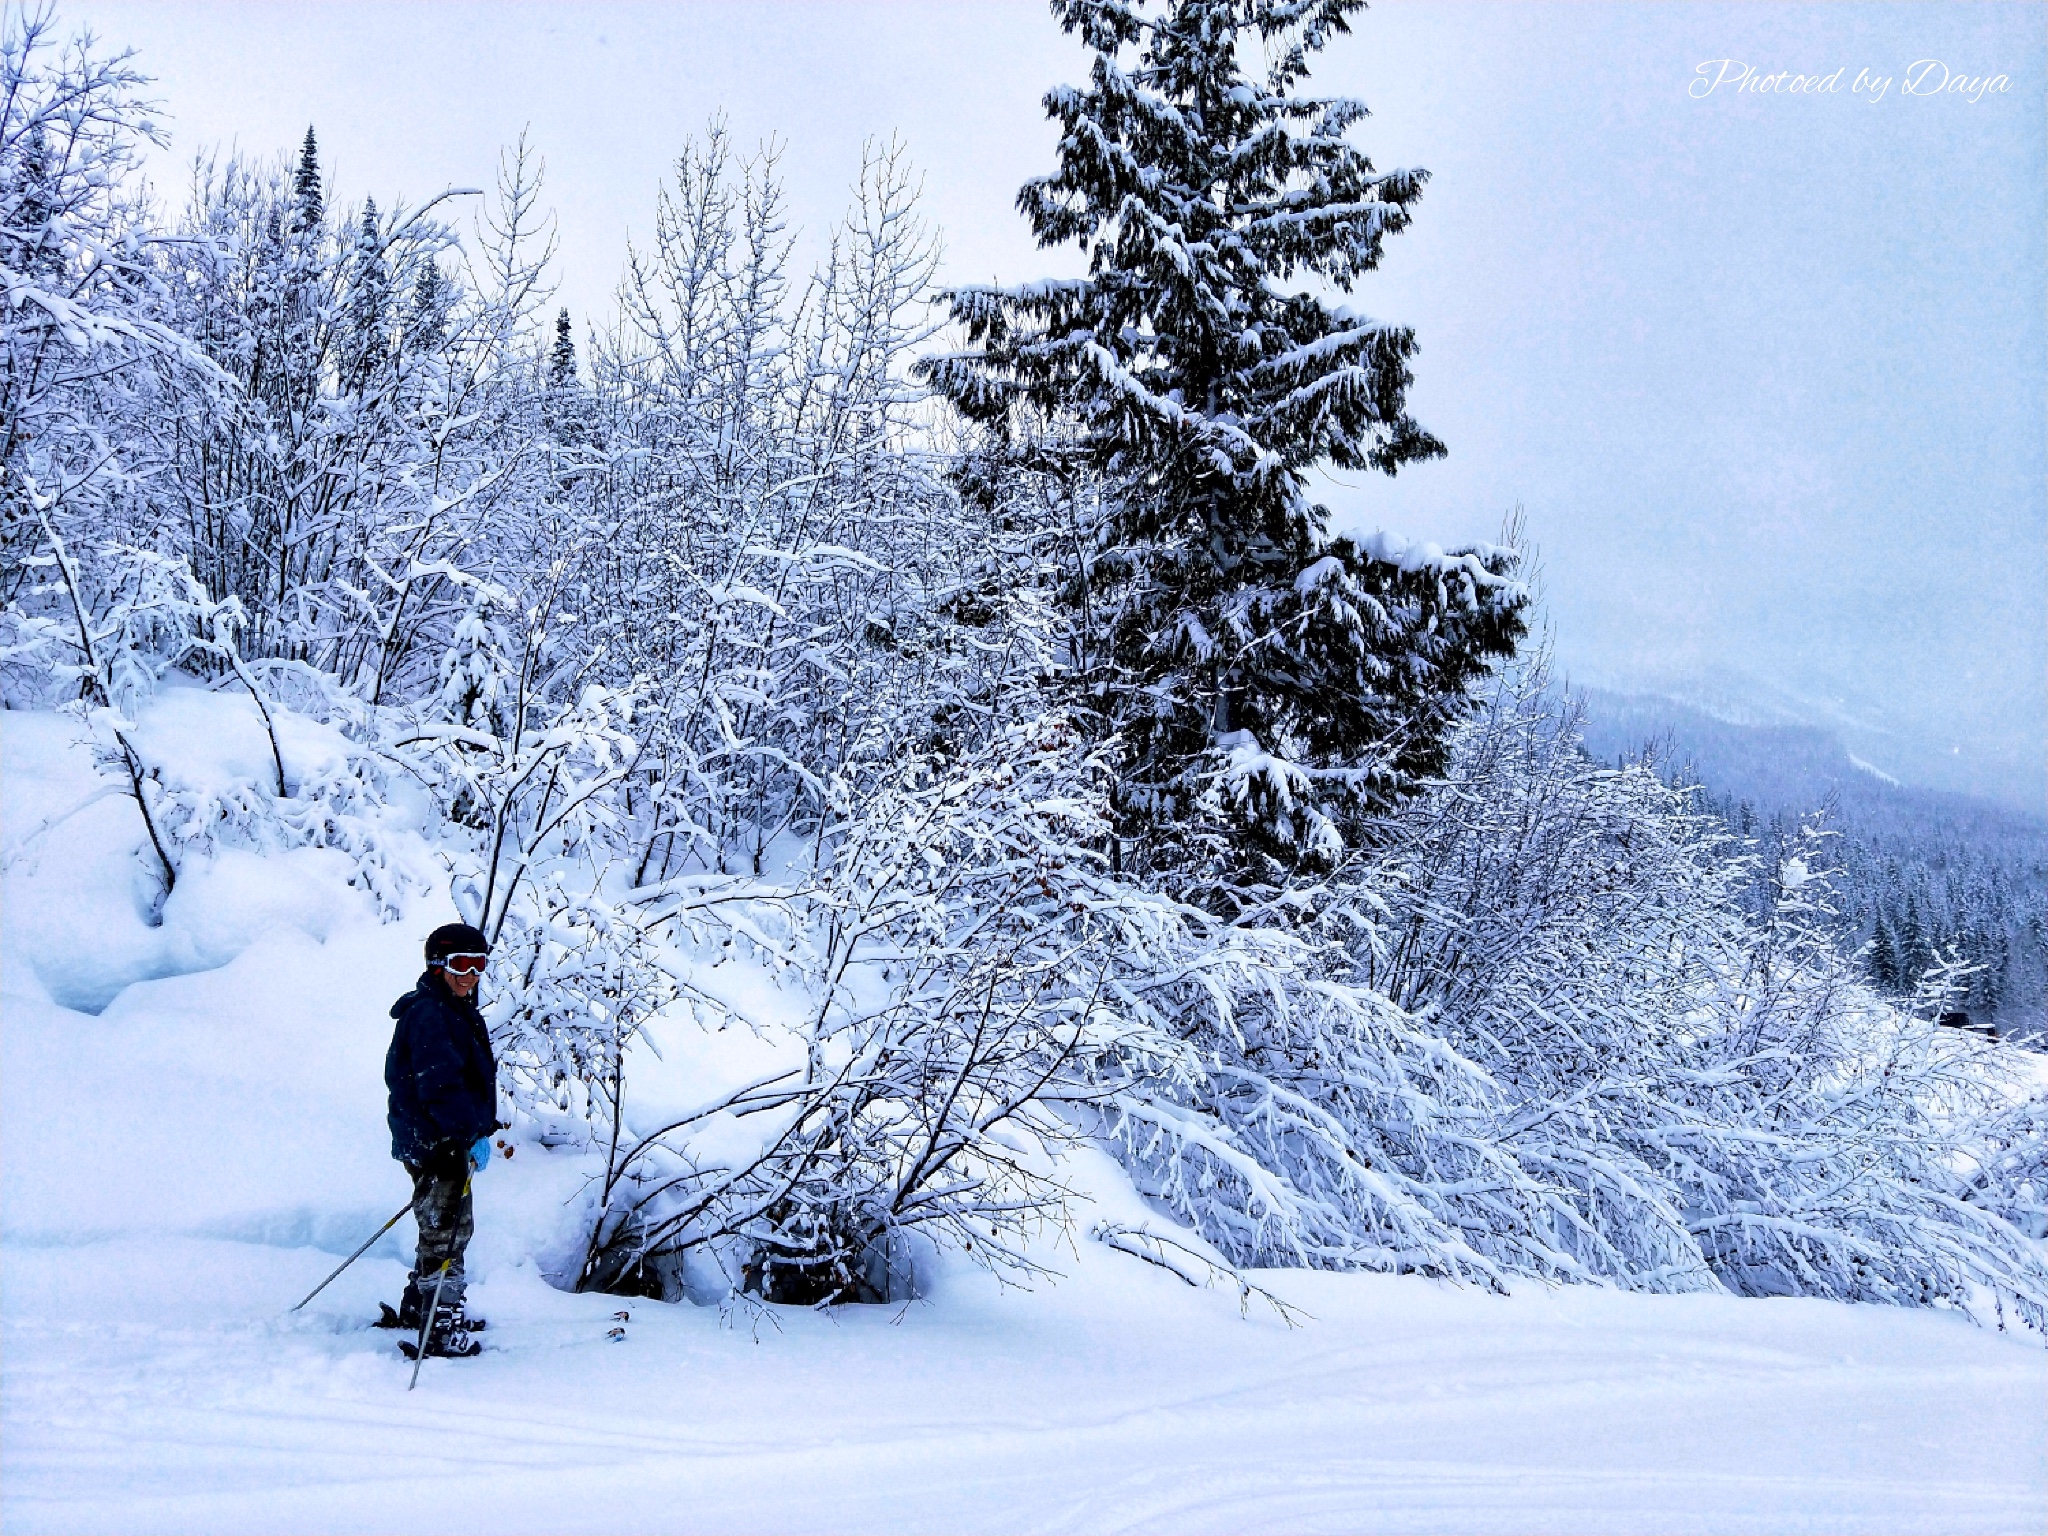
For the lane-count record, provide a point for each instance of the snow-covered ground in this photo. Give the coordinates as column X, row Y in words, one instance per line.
column 183, row 1165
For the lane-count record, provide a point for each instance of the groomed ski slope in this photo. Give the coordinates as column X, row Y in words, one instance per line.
column 178, row 1168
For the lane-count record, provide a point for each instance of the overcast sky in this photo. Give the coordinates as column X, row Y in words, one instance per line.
column 1768, row 373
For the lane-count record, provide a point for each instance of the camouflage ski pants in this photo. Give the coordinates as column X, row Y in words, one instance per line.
column 441, row 1206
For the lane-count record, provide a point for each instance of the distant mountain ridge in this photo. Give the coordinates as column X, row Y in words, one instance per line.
column 1773, row 760
column 1867, row 733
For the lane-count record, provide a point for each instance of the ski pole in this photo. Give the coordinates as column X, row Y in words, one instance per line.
column 427, row 1322
column 357, row 1254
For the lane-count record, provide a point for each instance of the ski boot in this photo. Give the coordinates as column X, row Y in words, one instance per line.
column 407, row 1315
column 408, row 1318
column 448, row 1339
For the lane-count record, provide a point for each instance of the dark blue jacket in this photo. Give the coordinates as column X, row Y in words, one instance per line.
column 442, row 1077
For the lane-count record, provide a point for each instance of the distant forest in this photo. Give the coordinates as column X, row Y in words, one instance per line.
column 1917, row 873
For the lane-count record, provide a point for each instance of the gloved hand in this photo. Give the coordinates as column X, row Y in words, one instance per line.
column 480, row 1154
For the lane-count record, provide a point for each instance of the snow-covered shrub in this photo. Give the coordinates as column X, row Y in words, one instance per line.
column 137, row 619
column 83, row 346
column 519, row 748
column 524, row 759
column 1324, row 1126
column 367, row 425
column 1540, row 1035
column 1696, row 1092
column 955, row 943
column 574, row 978
column 2010, row 1148
column 775, row 540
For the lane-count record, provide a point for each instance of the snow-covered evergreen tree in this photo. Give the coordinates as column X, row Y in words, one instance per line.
column 566, row 404
column 308, row 204
column 369, row 301
column 562, row 355
column 1223, row 633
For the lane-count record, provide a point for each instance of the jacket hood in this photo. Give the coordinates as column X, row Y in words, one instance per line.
column 424, row 984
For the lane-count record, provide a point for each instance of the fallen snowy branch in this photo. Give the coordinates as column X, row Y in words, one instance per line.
column 1190, row 1265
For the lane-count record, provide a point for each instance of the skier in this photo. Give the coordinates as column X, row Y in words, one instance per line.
column 444, row 1107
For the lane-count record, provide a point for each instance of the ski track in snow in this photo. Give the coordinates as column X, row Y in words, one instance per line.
column 1115, row 1401
column 178, row 1169
column 1108, row 1403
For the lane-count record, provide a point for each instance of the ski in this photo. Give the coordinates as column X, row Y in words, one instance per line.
column 410, row 1350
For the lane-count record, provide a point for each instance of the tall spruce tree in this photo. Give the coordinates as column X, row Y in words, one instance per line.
column 562, row 356
column 307, row 202
column 426, row 320
column 292, row 252
column 1882, row 963
column 1264, row 676
column 565, row 403
column 369, row 300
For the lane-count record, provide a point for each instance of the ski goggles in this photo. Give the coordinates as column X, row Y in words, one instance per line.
column 466, row 965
